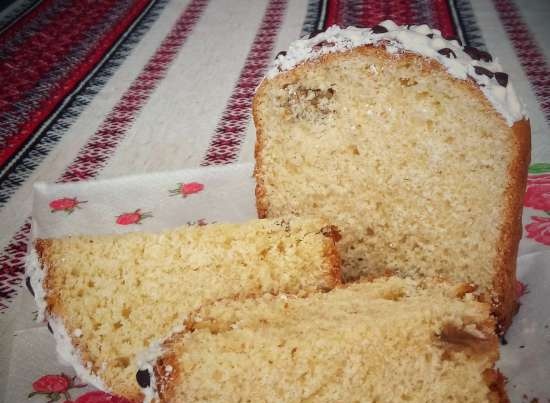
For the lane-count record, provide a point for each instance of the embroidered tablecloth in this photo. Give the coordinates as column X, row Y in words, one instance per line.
column 104, row 89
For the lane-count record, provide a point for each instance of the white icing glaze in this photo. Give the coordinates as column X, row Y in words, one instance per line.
column 399, row 39
column 64, row 346
column 70, row 355
column 36, row 274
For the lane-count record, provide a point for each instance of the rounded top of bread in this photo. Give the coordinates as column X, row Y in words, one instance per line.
column 462, row 62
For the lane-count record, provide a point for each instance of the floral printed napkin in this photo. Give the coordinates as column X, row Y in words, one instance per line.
column 153, row 202
column 150, row 202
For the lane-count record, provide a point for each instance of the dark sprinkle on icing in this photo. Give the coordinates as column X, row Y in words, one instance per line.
column 502, row 78
column 50, row 328
column 483, row 71
column 448, row 52
column 379, row 29
column 281, row 53
column 503, row 341
column 143, row 378
column 323, row 44
column 431, row 36
column 477, row 54
column 29, row 286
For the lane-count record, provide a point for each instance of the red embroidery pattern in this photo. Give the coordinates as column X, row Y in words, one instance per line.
column 529, row 54
column 31, row 91
column 94, row 155
column 226, row 142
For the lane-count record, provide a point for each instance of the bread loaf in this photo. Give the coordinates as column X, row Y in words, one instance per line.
column 414, row 146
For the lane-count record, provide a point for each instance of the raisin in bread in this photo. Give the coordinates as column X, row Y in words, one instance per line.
column 414, row 146
column 108, row 297
column 392, row 340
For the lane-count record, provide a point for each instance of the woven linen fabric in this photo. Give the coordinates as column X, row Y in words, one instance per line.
column 99, row 90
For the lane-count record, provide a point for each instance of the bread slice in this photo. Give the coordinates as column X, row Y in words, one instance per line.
column 109, row 297
column 414, row 146
column 392, row 340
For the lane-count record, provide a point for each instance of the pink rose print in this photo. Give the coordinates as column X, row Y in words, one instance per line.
column 132, row 218
column 537, row 195
column 201, row 222
column 100, row 397
column 521, row 289
column 53, row 387
column 65, row 204
column 539, row 229
column 186, row 189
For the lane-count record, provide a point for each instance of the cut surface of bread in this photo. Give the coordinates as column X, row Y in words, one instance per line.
column 392, row 340
column 416, row 167
column 115, row 295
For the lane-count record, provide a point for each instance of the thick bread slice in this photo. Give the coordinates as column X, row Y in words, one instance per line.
column 416, row 167
column 114, row 295
column 392, row 340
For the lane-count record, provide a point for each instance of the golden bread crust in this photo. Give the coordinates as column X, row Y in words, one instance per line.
column 166, row 381
column 261, row 199
column 505, row 304
column 497, row 385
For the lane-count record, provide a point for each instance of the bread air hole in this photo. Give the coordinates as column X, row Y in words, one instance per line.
column 308, row 103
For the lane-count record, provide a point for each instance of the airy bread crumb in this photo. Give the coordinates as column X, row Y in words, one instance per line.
column 392, row 340
column 123, row 292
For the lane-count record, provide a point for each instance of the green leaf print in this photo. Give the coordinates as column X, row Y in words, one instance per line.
column 539, row 168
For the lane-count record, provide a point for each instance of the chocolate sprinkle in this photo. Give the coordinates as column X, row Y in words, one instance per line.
column 324, row 44
column 29, row 286
column 281, row 53
column 143, row 378
column 447, row 52
column 378, row 29
column 483, row 71
column 50, row 328
column 502, row 78
column 477, row 54
column 431, row 36
column 503, row 341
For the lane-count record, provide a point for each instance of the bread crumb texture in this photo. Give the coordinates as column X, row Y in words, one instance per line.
column 392, row 340
column 124, row 292
column 409, row 162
